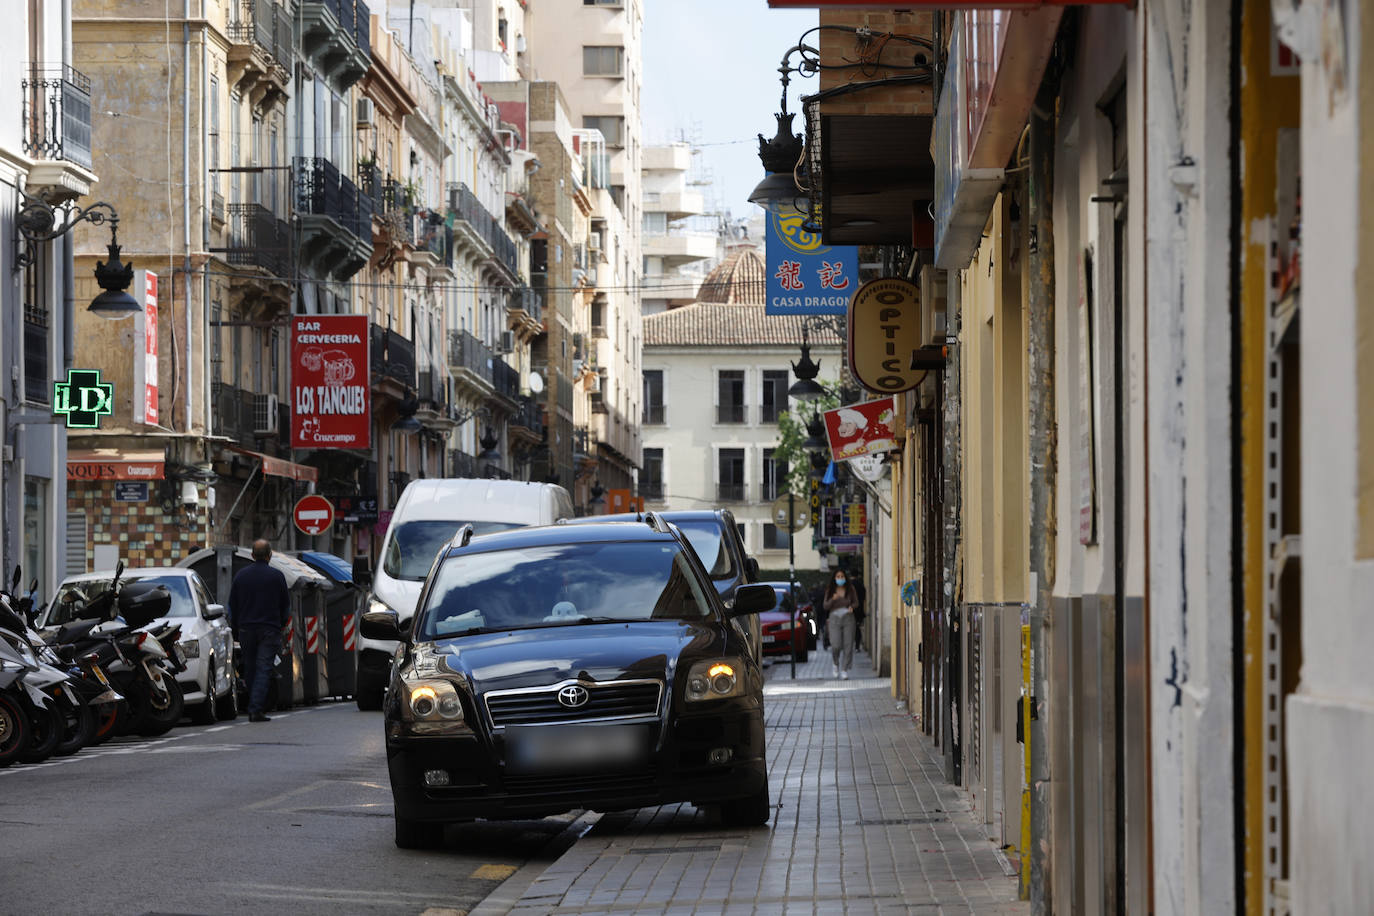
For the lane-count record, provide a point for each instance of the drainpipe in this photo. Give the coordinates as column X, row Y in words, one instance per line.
column 186, row 195
column 1043, row 447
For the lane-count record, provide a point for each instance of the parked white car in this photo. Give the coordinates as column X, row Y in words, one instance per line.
column 208, row 681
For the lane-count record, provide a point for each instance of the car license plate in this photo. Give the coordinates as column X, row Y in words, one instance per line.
column 768, row 639
column 574, row 748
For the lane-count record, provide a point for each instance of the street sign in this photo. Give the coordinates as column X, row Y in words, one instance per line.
column 82, row 399
column 131, row 491
column 800, row 515
column 313, row 514
column 805, row 276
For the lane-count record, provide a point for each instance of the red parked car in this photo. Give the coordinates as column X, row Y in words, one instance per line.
column 787, row 624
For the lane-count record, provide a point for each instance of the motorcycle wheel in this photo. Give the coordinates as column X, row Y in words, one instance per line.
column 78, row 732
column 152, row 719
column 106, row 723
column 14, row 729
column 47, row 724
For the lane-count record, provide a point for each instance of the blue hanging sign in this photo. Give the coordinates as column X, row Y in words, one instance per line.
column 806, row 276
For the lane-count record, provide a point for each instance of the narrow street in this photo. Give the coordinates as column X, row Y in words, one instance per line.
column 295, row 814
column 292, row 815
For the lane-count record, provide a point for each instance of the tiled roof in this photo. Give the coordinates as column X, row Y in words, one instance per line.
column 715, row 324
column 739, row 279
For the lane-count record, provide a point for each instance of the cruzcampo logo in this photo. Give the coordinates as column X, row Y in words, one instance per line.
column 82, row 399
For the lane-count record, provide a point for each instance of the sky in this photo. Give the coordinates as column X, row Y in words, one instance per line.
column 711, row 78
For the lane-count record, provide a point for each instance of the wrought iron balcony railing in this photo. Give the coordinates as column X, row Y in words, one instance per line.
column 256, row 237
column 463, row 202
column 505, row 377
column 268, row 25
column 57, row 114
column 321, row 190
column 393, row 356
column 467, row 352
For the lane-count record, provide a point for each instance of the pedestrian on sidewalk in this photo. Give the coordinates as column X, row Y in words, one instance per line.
column 259, row 607
column 840, row 601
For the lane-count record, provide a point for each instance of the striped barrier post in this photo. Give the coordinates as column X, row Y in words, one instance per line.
column 312, row 635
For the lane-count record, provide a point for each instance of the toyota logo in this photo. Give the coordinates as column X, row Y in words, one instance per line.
column 573, row 696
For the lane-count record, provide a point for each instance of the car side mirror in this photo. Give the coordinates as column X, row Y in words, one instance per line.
column 214, row 611
column 751, row 567
column 753, row 599
column 380, row 625
column 362, row 572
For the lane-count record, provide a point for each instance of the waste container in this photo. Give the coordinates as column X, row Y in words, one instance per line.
column 218, row 566
column 343, row 605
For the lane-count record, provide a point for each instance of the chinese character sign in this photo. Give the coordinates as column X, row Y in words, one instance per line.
column 806, row 276
column 330, row 404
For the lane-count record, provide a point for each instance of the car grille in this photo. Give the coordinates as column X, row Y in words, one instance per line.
column 640, row 779
column 605, row 701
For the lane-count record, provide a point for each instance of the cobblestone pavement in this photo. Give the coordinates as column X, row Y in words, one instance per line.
column 863, row 823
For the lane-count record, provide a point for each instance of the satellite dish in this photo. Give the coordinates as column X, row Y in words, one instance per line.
column 536, row 382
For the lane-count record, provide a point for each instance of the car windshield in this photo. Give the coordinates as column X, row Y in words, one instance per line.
column 706, row 539
column 411, row 550
column 72, row 597
column 562, row 585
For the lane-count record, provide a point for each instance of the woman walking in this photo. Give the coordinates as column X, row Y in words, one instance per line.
column 840, row 601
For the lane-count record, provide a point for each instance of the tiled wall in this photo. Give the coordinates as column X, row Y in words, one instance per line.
column 146, row 535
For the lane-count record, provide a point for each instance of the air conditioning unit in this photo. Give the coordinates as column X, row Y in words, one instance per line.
column 365, row 114
column 265, row 414
column 507, row 342
column 594, row 242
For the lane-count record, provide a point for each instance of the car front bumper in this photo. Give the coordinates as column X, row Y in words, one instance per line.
column 677, row 770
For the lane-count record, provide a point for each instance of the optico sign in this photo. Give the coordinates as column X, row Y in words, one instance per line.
column 330, row 386
column 884, row 332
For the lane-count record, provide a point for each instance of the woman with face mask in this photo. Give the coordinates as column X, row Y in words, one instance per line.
column 840, row 601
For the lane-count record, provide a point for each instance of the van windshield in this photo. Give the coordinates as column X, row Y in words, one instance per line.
column 705, row 538
column 411, row 549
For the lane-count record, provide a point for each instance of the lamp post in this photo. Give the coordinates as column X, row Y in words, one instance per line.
column 782, row 154
column 37, row 221
column 806, row 388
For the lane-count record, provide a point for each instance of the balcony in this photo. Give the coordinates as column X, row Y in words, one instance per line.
column 484, row 227
column 461, row 464
column 261, row 54
column 393, row 357
column 680, row 246
column 526, row 307
column 527, row 423
column 335, row 219
column 730, row 492
column 505, row 379
column 57, row 132
column 257, row 238
column 238, row 415
column 470, row 362
column 336, row 39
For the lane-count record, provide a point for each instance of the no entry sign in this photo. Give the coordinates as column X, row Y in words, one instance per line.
column 314, row 514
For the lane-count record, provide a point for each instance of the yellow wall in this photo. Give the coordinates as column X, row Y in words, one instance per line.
column 1267, row 104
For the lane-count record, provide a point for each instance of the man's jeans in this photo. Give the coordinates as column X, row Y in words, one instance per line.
column 259, row 645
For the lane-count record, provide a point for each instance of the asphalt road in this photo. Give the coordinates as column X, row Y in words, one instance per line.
column 288, row 816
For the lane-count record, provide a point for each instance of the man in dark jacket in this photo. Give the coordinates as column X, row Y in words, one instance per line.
column 259, row 607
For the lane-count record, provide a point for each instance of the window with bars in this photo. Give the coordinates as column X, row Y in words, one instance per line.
column 654, row 411
column 651, row 478
column 774, row 395
column 730, row 396
column 37, row 377
column 774, row 476
column 730, row 475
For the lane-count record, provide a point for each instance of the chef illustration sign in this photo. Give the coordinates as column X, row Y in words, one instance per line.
column 859, row 429
column 330, row 388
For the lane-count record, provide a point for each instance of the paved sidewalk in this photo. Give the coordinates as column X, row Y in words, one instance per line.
column 864, row 823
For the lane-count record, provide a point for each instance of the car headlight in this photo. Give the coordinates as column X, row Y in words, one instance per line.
column 715, row 679
column 190, row 648
column 432, row 704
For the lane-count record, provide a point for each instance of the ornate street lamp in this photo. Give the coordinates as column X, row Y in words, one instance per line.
column 37, row 222
column 782, row 154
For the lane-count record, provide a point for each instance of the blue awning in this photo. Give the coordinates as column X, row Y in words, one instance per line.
column 335, row 567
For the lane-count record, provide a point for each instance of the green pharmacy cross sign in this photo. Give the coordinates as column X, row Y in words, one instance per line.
column 83, row 399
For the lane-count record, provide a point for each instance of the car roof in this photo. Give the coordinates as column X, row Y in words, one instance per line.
column 132, row 571
column 572, row 531
column 671, row 515
column 434, row 498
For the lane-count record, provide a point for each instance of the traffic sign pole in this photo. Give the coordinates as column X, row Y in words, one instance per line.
column 792, row 573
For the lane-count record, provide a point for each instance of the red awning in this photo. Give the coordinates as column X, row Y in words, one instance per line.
column 280, row 467
column 113, row 464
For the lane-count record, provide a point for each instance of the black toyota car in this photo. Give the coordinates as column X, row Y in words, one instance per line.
column 571, row 666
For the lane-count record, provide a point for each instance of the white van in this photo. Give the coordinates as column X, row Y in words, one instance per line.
column 426, row 516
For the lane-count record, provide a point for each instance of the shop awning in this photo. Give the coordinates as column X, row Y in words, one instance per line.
column 280, row 467
column 114, row 464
